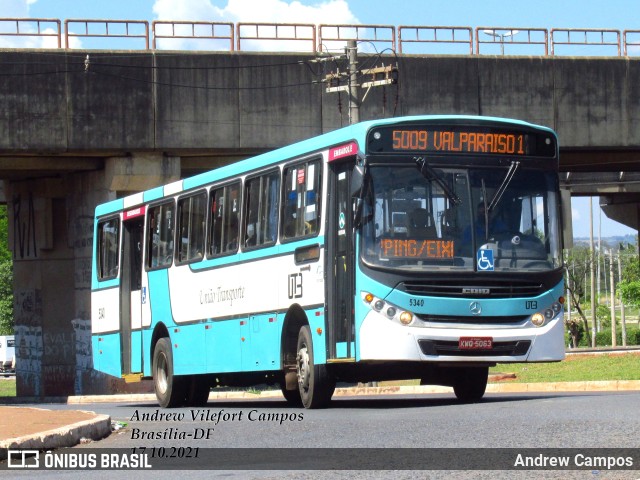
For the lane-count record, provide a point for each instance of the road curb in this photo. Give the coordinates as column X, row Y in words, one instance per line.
column 502, row 387
column 94, row 428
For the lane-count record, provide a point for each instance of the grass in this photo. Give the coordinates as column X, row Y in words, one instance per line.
column 8, row 387
column 576, row 368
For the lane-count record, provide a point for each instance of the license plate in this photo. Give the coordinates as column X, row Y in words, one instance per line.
column 475, row 343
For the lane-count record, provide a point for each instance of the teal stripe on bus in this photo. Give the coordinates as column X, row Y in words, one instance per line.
column 110, row 207
column 153, row 194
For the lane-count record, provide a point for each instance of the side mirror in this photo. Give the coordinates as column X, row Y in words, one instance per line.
column 357, row 181
column 356, row 187
column 567, row 226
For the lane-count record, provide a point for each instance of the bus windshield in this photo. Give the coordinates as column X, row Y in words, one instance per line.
column 419, row 216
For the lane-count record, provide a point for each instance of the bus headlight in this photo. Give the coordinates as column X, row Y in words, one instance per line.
column 392, row 312
column 537, row 319
column 406, row 318
column 540, row 318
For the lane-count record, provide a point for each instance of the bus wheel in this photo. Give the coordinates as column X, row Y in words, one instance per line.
column 314, row 381
column 470, row 383
column 170, row 390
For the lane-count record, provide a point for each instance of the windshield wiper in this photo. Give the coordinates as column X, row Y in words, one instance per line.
column 430, row 174
column 503, row 186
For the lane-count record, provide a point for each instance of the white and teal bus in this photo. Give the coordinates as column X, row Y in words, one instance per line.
column 423, row 247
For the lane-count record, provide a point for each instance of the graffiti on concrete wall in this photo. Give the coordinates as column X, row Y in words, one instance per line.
column 29, row 341
column 81, row 232
column 84, row 360
column 24, row 228
column 29, row 351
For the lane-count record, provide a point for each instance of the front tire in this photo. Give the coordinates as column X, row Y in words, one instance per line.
column 470, row 383
column 315, row 383
column 170, row 390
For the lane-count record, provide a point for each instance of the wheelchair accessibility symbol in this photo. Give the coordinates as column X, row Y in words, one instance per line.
column 485, row 260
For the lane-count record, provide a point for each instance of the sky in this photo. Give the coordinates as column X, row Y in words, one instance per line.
column 598, row 14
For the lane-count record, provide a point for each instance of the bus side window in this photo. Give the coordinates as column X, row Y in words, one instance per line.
column 160, row 236
column 301, row 209
column 225, row 210
column 108, row 242
column 191, row 220
column 261, row 219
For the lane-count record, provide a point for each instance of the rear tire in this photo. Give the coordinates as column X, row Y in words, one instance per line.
column 315, row 383
column 170, row 389
column 470, row 383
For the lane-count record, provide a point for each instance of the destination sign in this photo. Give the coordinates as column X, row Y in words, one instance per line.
column 417, row 249
column 461, row 140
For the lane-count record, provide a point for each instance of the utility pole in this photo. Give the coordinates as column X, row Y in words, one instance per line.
column 376, row 77
column 623, row 320
column 614, row 340
column 594, row 326
column 354, row 99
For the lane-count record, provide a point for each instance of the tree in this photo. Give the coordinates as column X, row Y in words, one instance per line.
column 6, row 276
column 630, row 284
column 578, row 264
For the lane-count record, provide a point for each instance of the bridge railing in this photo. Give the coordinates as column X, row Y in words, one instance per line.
column 585, row 37
column 631, row 42
column 435, row 36
column 295, row 34
column 32, row 27
column 311, row 38
column 202, row 32
column 506, row 36
column 127, row 29
column 336, row 36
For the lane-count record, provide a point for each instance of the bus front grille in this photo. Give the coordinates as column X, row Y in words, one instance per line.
column 451, row 348
column 479, row 289
column 479, row 320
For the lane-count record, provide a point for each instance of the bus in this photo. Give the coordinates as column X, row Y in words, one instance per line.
column 423, row 247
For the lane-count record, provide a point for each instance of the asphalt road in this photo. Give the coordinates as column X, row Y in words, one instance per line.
column 522, row 421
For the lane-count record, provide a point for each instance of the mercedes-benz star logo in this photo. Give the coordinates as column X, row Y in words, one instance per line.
column 475, row 308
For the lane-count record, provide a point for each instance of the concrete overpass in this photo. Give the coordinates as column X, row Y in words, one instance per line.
column 81, row 127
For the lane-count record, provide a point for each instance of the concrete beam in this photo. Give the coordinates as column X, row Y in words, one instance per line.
column 622, row 208
column 140, row 172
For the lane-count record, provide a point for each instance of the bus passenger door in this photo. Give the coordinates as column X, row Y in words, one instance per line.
column 130, row 297
column 340, row 263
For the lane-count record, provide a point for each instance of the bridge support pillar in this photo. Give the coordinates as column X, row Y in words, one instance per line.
column 140, row 171
column 51, row 235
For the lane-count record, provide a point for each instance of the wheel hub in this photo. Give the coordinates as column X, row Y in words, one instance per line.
column 302, row 367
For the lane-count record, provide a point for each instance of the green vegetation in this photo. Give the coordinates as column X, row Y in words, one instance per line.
column 6, row 277
column 576, row 368
column 8, row 387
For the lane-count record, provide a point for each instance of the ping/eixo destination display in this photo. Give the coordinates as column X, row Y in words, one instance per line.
column 393, row 248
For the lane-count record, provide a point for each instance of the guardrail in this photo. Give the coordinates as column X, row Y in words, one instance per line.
column 375, row 34
column 110, row 28
column 418, row 39
column 585, row 37
column 180, row 30
column 290, row 32
column 31, row 27
column 414, row 34
column 506, row 36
